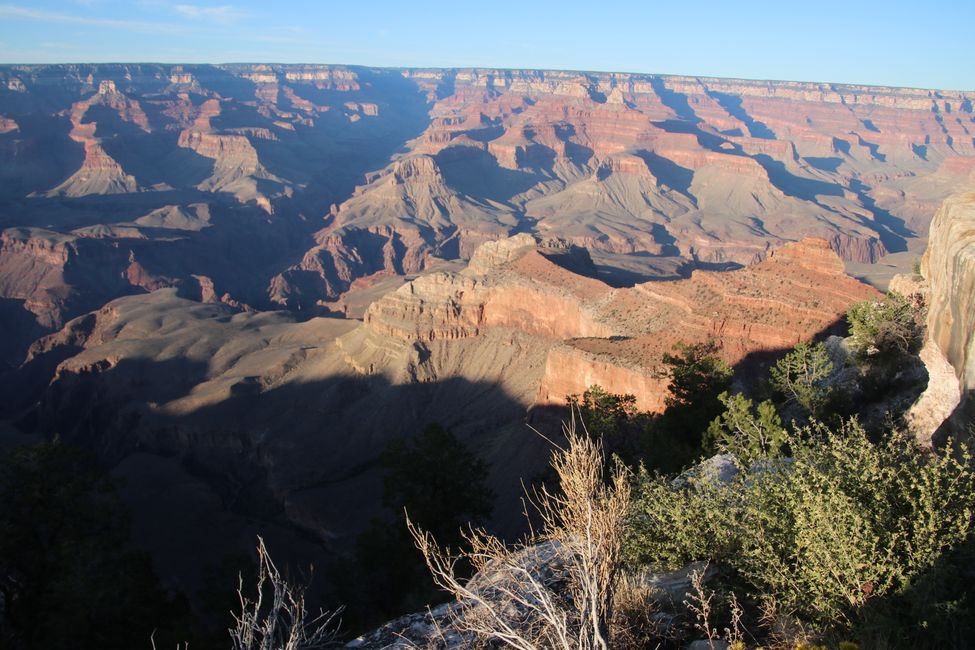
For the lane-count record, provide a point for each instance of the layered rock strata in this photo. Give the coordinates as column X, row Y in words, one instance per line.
column 616, row 338
column 276, row 424
column 948, row 267
column 325, row 176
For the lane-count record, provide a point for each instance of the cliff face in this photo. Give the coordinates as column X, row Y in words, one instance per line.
column 948, row 266
column 595, row 334
column 713, row 170
column 472, row 349
column 321, row 176
column 196, row 176
column 283, row 420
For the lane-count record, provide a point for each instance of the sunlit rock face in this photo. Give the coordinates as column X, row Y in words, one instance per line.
column 284, row 185
column 948, row 268
column 616, row 337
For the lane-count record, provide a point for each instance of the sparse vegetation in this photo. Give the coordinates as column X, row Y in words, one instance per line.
column 832, row 536
column 745, row 430
column 276, row 617
column 437, row 480
column 888, row 329
column 568, row 606
column 613, row 420
column 442, row 485
column 802, row 377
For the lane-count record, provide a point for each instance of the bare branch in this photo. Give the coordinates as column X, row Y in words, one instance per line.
column 283, row 623
column 555, row 590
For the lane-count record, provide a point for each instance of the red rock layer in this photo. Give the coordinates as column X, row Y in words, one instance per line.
column 617, row 337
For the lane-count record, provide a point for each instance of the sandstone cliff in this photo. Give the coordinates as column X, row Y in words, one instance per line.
column 948, row 267
column 272, row 422
column 595, row 334
column 323, row 176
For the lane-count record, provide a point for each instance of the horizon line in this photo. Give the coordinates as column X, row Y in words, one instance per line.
column 488, row 68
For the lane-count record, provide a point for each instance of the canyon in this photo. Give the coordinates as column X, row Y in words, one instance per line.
column 268, row 422
column 237, row 283
column 120, row 179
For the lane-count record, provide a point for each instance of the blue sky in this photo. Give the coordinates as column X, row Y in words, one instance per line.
column 895, row 43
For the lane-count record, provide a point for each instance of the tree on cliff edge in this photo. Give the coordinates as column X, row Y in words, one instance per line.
column 697, row 377
column 437, row 480
column 440, row 483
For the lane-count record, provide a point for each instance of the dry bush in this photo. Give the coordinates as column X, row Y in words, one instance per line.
column 276, row 618
column 555, row 590
column 635, row 621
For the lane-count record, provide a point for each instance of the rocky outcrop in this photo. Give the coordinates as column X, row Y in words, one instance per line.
column 712, row 170
column 365, row 172
column 282, row 415
column 616, row 338
column 39, row 268
column 7, row 125
column 443, row 627
column 99, row 172
column 509, row 284
column 948, row 266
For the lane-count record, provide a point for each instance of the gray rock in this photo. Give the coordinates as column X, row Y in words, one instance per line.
column 720, row 468
column 704, row 644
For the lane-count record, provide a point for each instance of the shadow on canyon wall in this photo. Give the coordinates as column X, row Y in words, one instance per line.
column 296, row 464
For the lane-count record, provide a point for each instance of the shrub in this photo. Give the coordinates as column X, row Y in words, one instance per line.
column 697, row 377
column 438, row 480
column 886, row 329
column 696, row 373
column 443, row 486
column 746, row 431
column 276, row 617
column 842, row 524
column 569, row 605
column 612, row 419
column 802, row 376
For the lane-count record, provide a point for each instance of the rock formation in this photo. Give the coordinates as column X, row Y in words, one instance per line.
column 325, row 176
column 278, row 419
column 948, row 268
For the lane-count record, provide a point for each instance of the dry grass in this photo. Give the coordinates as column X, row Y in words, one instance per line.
column 556, row 590
column 276, row 618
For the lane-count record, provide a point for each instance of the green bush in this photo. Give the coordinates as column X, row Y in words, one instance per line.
column 842, row 524
column 746, row 431
column 697, row 377
column 613, row 420
column 886, row 329
column 802, row 376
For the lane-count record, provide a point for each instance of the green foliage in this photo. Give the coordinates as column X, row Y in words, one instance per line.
column 746, row 431
column 614, row 420
column 842, row 524
column 802, row 376
column 697, row 374
column 887, row 329
column 604, row 415
column 697, row 377
column 435, row 478
column 438, row 480
column 69, row 577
